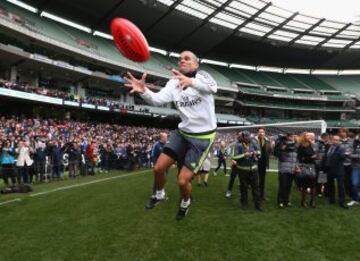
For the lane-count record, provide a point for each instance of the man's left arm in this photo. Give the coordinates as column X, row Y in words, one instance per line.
column 203, row 82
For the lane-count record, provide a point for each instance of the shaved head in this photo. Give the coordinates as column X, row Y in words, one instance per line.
column 191, row 54
column 188, row 62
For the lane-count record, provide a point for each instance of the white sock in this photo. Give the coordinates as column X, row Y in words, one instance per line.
column 185, row 204
column 160, row 194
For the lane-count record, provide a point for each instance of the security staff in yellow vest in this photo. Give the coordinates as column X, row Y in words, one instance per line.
column 246, row 154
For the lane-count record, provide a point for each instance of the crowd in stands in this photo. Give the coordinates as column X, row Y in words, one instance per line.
column 55, row 93
column 39, row 150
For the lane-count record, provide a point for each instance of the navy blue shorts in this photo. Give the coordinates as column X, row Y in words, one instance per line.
column 189, row 150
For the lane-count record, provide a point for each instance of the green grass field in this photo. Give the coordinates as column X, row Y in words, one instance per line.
column 106, row 220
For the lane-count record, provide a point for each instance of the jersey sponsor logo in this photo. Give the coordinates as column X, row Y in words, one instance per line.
column 187, row 102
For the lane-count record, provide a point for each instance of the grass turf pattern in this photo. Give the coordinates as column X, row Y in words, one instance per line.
column 107, row 221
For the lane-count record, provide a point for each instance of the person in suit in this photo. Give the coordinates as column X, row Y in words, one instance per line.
column 263, row 163
column 334, row 164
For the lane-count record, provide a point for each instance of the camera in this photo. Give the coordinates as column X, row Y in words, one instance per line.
column 290, row 145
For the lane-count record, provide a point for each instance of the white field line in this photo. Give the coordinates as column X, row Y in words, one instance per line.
column 86, row 183
column 10, row 201
column 268, row 170
column 75, row 186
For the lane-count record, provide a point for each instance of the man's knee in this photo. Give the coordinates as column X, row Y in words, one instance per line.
column 183, row 181
column 159, row 169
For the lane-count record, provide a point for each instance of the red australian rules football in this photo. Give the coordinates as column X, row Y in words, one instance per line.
column 130, row 40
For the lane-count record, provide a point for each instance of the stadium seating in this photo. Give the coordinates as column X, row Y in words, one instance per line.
column 313, row 82
column 347, row 84
column 248, row 82
column 291, row 106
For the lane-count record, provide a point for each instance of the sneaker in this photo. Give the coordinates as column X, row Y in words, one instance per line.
column 182, row 212
column 352, row 203
column 153, row 202
column 227, row 175
column 289, row 205
column 215, row 174
column 281, row 205
column 228, row 194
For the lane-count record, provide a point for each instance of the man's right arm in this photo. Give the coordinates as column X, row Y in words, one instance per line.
column 162, row 97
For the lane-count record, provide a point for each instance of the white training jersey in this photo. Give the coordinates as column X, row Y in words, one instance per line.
column 195, row 104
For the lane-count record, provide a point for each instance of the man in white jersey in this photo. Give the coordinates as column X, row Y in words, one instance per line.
column 192, row 93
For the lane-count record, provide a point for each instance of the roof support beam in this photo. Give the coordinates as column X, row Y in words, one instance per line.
column 249, row 20
column 332, row 36
column 205, row 21
column 350, row 44
column 171, row 8
column 305, row 32
column 279, row 26
column 252, row 18
column 106, row 15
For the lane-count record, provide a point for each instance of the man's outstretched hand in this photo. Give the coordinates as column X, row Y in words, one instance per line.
column 184, row 81
column 137, row 86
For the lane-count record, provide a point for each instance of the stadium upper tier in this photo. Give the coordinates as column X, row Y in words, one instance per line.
column 265, row 83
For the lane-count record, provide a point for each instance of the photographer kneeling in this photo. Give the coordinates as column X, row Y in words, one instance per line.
column 286, row 151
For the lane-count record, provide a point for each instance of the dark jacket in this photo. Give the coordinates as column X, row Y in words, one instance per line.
column 265, row 151
column 56, row 155
column 238, row 154
column 288, row 157
column 306, row 154
column 74, row 154
column 347, row 144
column 355, row 155
column 40, row 154
column 334, row 161
column 321, row 150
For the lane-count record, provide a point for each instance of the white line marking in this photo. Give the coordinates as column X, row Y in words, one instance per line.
column 86, row 183
column 268, row 170
column 75, row 186
column 10, row 201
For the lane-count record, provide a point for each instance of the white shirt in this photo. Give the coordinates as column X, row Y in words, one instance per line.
column 196, row 104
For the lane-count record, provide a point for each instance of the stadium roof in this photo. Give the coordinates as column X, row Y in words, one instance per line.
column 235, row 31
